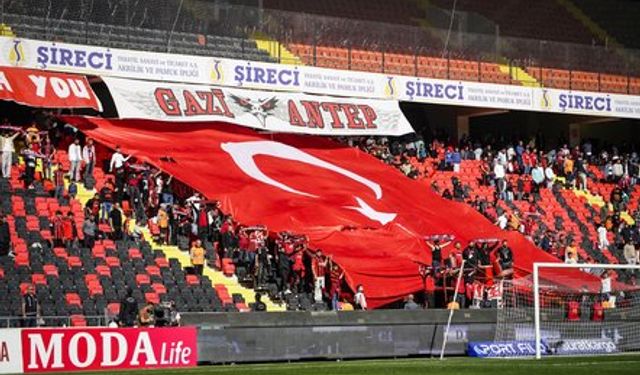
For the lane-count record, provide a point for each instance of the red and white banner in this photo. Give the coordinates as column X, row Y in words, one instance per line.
column 84, row 349
column 266, row 110
column 38, row 88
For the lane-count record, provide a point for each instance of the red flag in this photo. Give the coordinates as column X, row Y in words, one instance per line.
column 367, row 215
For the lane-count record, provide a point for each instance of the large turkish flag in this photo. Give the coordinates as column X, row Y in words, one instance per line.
column 367, row 215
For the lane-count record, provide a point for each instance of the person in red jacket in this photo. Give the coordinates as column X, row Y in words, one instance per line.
column 68, row 229
column 429, row 282
column 573, row 310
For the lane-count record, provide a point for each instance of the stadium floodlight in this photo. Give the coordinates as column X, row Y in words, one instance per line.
column 542, row 317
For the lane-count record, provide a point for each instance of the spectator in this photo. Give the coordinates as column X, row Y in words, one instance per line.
column 336, row 276
column 89, row 230
column 571, row 251
column 7, row 148
column 30, row 308
column 5, row 236
column 603, row 241
column 72, row 190
column 117, row 160
column 629, row 252
column 538, row 177
column 502, row 221
column 197, row 256
column 605, row 285
column 89, row 158
column 30, row 163
column 456, row 159
column 58, row 180
column 115, row 219
column 436, row 252
column 75, row 158
column 429, row 282
column 505, row 258
column 550, row 176
column 359, row 299
column 410, row 303
column 49, row 153
column 319, row 266
column 163, row 224
column 69, row 230
column 571, row 258
column 57, row 230
column 145, row 317
column 258, row 305
column 128, row 310
column 499, row 179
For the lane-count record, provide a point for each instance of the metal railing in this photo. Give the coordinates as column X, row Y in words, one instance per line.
column 52, row 321
column 224, row 30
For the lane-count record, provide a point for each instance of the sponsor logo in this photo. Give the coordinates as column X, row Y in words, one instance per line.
column 545, row 100
column 77, row 57
column 217, row 73
column 504, row 349
column 75, row 349
column 390, row 90
column 432, row 90
column 282, row 76
column 585, row 346
column 16, row 54
column 600, row 103
column 244, row 153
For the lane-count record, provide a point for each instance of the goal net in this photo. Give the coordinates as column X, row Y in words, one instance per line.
column 598, row 313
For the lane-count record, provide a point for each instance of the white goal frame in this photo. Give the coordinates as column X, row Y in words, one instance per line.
column 536, row 289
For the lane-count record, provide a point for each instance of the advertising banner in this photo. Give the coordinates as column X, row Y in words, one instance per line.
column 504, row 349
column 65, row 57
column 272, row 111
column 85, row 349
column 204, row 70
column 46, row 89
column 473, row 94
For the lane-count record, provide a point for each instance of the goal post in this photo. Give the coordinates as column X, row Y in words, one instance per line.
column 536, row 290
column 569, row 309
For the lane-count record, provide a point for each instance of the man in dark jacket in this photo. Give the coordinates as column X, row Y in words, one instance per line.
column 128, row 310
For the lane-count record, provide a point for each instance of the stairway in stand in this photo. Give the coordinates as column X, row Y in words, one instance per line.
column 224, row 285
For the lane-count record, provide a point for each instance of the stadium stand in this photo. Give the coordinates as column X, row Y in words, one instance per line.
column 555, row 215
column 86, row 283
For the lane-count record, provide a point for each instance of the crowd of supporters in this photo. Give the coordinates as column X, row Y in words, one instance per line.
column 134, row 195
column 518, row 171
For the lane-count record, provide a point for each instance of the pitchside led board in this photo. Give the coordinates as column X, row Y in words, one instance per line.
column 271, row 77
column 87, row 349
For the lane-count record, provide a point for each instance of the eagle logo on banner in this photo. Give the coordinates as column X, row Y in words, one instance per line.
column 260, row 110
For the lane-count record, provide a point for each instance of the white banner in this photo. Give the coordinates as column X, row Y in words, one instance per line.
column 473, row 94
column 10, row 351
column 154, row 66
column 103, row 61
column 272, row 111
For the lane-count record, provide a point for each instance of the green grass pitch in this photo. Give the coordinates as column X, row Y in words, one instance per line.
column 600, row 365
